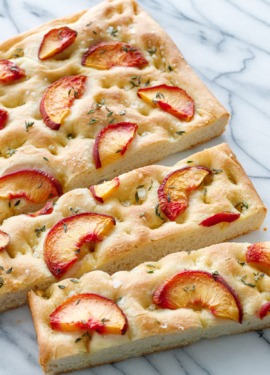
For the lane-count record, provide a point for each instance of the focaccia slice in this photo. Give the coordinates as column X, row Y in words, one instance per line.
column 79, row 117
column 144, row 215
column 180, row 299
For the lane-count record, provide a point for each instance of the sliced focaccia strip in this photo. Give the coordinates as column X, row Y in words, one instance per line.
column 66, row 104
column 118, row 226
column 170, row 303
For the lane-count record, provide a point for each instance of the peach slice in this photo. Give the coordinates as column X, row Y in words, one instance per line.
column 106, row 55
column 46, row 210
column 258, row 255
column 198, row 290
column 59, row 97
column 3, row 118
column 112, row 142
column 174, row 191
column 4, row 240
column 171, row 99
column 104, row 190
column 10, row 72
column 221, row 217
column 63, row 241
column 264, row 310
column 89, row 311
column 55, row 41
column 34, row 185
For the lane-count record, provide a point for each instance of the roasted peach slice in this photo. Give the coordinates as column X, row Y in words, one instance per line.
column 221, row 217
column 89, row 311
column 106, row 55
column 55, row 41
column 59, row 97
column 112, row 142
column 10, row 72
column 171, row 99
column 264, row 310
column 258, row 255
column 104, row 190
column 63, row 241
column 197, row 290
column 174, row 191
column 46, row 210
column 4, row 240
column 3, row 118
column 34, row 185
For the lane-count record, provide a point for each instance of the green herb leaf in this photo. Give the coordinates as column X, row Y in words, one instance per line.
column 11, row 151
column 104, row 320
column 217, row 171
column 92, row 121
column 17, row 203
column 65, row 227
column 180, row 132
column 61, row 286
column 152, row 51
column 147, row 83
column 28, row 124
column 122, row 113
column 189, row 288
column 241, row 263
column 46, row 159
column 243, row 280
column 157, row 212
column 112, row 31
column 9, row 270
column 241, row 205
column 75, row 281
column 150, row 187
column 1, row 282
column 38, row 231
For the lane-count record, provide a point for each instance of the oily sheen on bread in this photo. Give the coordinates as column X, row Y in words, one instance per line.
column 129, row 227
column 151, row 327
column 106, row 97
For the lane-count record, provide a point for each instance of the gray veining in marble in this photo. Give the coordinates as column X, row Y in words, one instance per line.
column 227, row 42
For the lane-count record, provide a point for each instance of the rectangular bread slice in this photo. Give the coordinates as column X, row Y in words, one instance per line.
column 82, row 234
column 106, row 97
column 219, row 290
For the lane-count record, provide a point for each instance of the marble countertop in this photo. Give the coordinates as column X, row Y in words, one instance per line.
column 227, row 43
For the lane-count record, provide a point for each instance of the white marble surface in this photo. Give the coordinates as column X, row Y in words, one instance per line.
column 228, row 43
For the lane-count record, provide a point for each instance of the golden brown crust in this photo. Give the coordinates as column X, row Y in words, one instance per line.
column 141, row 232
column 70, row 160
column 150, row 328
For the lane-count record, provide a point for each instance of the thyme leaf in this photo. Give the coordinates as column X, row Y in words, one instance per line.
column 28, row 124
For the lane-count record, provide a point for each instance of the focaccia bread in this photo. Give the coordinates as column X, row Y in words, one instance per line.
column 74, row 104
column 219, row 290
column 131, row 219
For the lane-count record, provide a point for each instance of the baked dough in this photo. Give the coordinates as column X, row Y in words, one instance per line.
column 141, row 233
column 151, row 328
column 66, row 154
